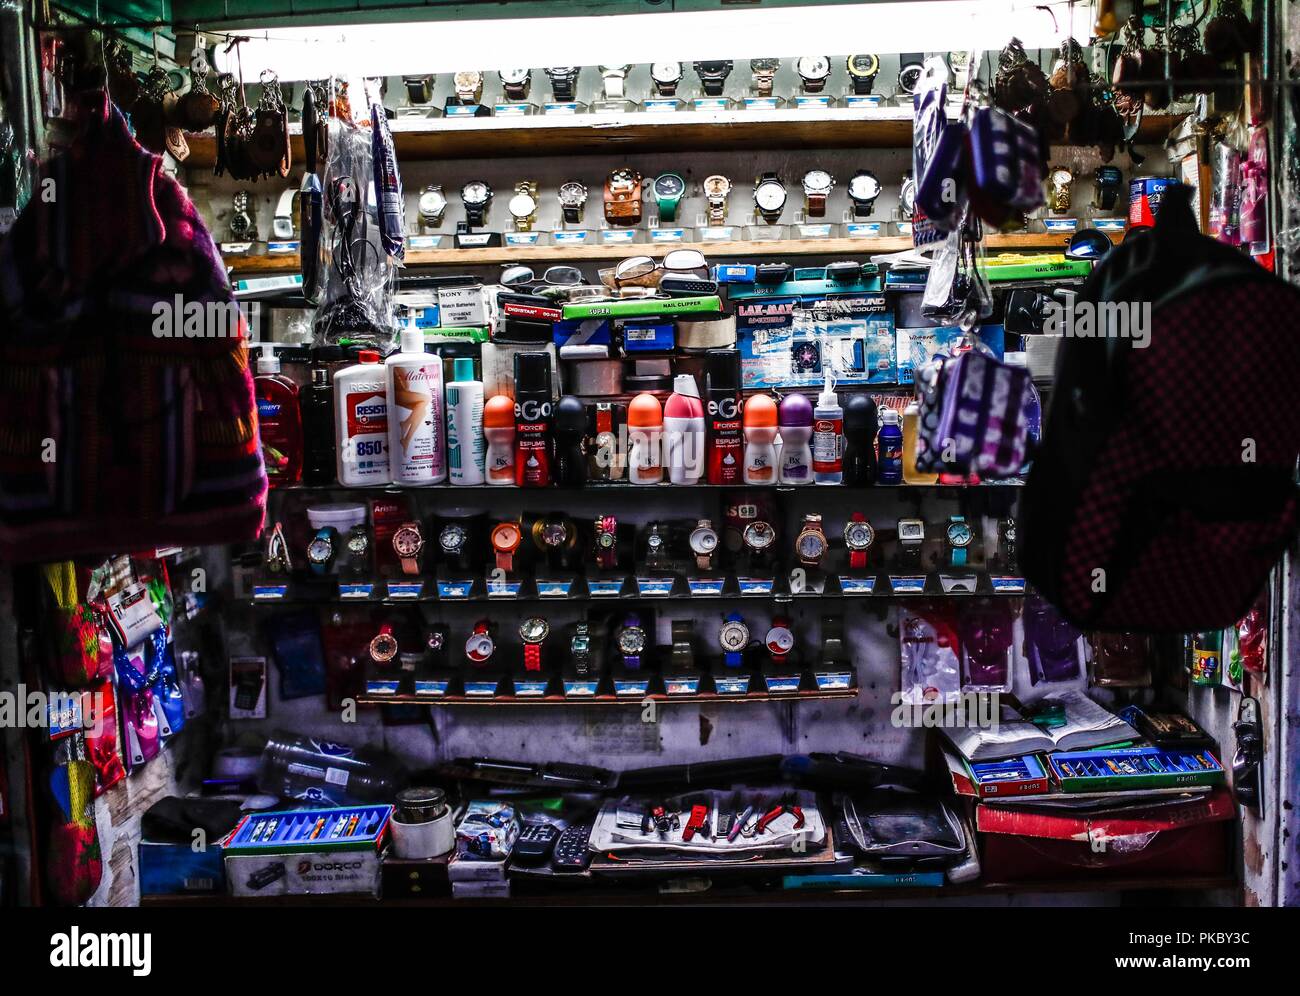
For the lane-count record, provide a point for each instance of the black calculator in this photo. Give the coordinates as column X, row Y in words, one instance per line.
column 535, row 842
column 571, row 852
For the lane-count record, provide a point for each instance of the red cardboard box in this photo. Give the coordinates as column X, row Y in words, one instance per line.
column 1177, row 839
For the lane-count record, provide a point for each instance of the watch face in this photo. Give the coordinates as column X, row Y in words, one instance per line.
column 670, row 185
column 432, row 202
column 605, row 540
column 475, row 192
column 864, row 65
column 383, row 647
column 580, row 645
column 631, row 640
column 814, row 67
column 960, row 534
column 769, row 195
column 534, row 629
column 721, row 68
column 816, row 181
column 435, row 640
column 522, row 205
column 811, row 545
column 717, row 186
column 909, row 76
column 468, row 80
column 407, row 542
column 704, row 540
column 764, row 65
column 555, row 534
column 615, row 69
column 734, row 636
column 655, row 542
column 573, row 194
column 505, row 537
column 666, row 72
column 358, row 544
column 911, row 530
column 1009, row 531
column 1062, row 176
column 779, row 640
column 452, row 538
column 320, row 550
column 479, row 647
column 562, row 70
column 858, row 535
column 907, row 197
column 759, row 535
column 864, row 187
column 513, row 75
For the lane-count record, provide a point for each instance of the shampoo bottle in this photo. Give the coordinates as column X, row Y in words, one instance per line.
column 279, row 420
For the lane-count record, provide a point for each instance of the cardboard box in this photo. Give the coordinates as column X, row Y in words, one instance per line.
column 168, row 869
column 315, row 873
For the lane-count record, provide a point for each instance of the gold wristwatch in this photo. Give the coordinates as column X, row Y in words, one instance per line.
column 469, row 86
column 716, row 189
column 523, row 205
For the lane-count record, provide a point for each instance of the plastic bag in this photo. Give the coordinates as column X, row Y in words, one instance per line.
column 987, row 635
column 1052, row 646
column 929, row 648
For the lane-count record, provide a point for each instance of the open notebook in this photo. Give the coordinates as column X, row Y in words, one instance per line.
column 1087, row 725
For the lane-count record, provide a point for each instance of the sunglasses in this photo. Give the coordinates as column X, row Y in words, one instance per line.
column 645, row 271
column 555, row 276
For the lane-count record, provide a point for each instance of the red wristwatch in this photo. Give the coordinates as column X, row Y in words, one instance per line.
column 858, row 537
column 780, row 639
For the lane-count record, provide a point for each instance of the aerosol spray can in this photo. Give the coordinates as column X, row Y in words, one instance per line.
column 533, row 413
column 722, row 415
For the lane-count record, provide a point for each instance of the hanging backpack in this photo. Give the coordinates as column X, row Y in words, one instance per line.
column 1164, row 490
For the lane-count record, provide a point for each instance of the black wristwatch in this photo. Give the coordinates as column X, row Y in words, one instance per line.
column 564, row 81
column 1108, row 181
column 657, row 556
column 713, row 76
column 453, row 545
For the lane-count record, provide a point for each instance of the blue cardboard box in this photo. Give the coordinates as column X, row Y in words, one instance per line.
column 177, row 869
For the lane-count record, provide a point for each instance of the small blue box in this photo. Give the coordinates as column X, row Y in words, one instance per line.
column 649, row 337
column 735, row 273
column 177, row 869
column 582, row 332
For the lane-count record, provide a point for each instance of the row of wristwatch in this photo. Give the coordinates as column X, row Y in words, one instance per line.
column 667, row 78
column 560, row 542
column 623, row 198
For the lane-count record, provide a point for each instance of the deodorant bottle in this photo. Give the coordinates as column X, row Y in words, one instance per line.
column 645, row 428
column 684, row 432
column 465, row 442
column 415, row 414
column 760, row 440
column 570, row 429
column 795, row 420
column 499, row 431
column 859, row 440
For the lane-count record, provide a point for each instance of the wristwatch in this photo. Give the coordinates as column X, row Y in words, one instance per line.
column 668, row 189
column 419, row 89
column 656, row 547
column 506, row 537
column 683, row 648
column 631, row 641
column 733, row 638
column 817, row 184
column 277, row 551
column 858, row 537
column 516, row 82
column 911, row 536
column 907, row 197
column 704, row 544
column 1007, row 542
column 911, row 69
column 779, row 639
column 532, row 631
column 833, row 649
column 469, row 86
column 623, row 197
column 764, row 73
column 959, row 63
column 810, row 545
column 573, row 198
column 863, row 70
column 1059, row 183
column 322, row 549
column 383, row 645
column 959, row 534
column 564, row 81
column 433, row 205
column 523, row 206
column 580, row 649
column 480, row 646
column 476, row 195
column 713, row 76
column 453, row 542
column 758, row 537
column 666, row 76
column 1107, row 183
column 408, row 541
column 769, row 197
column 358, row 546
column 242, row 226
column 814, row 71
column 553, row 534
column 716, row 189
column 615, row 80
column 864, row 188
column 607, row 543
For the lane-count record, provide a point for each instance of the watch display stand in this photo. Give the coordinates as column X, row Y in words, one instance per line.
column 759, row 103
column 350, row 587
column 554, row 584
column 708, row 232
column 419, row 111
column 760, row 231
column 712, row 103
column 632, row 682
column 862, row 101
column 814, row 101
column 481, row 681
column 615, row 106
column 662, row 232
column 521, row 238
column 455, row 109
column 814, row 228
column 958, row 583
column 619, row 235
column 467, row 238
column 756, row 581
column 806, row 580
column 833, row 670
column 655, row 582
column 857, row 582
column 401, row 588
column 563, row 107
column 662, row 105
column 434, row 681
column 732, row 680
column 454, row 585
column 781, row 676
column 706, row 583
column 514, row 109
column 530, row 684
column 504, row 586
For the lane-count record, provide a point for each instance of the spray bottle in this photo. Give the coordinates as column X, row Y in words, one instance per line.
column 533, row 412
column 722, row 411
column 760, row 440
column 684, row 432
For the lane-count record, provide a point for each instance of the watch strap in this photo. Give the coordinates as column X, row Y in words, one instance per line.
column 816, row 205
column 532, row 656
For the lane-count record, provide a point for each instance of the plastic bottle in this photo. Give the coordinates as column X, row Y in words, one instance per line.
column 533, row 411
column 828, row 436
column 684, row 432
column 760, row 440
column 361, row 422
column 465, row 445
column 795, row 419
column 570, row 428
column 890, row 446
column 499, row 431
column 722, row 412
column 322, row 771
column 911, row 439
column 316, row 401
column 416, row 424
column 645, row 429
column 279, row 420
column 860, row 440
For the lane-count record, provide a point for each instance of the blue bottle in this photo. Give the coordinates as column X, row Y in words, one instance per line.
column 889, row 447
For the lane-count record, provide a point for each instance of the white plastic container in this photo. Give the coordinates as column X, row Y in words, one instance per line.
column 340, row 516
column 466, row 446
column 684, row 432
column 361, row 422
column 416, row 426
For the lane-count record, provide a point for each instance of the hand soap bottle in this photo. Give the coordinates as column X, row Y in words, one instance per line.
column 279, row 420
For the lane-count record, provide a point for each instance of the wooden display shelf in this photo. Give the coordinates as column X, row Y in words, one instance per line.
column 628, row 701
column 267, row 265
column 536, row 135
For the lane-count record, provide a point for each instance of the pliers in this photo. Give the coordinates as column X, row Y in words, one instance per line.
column 786, row 805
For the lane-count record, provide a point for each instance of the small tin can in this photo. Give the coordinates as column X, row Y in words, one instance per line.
column 421, row 805
column 1145, row 194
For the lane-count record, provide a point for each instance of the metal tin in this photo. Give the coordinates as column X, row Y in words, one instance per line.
column 421, row 805
column 1145, row 194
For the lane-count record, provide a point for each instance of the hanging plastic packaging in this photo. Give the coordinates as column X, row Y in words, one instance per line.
column 929, row 649
column 388, row 180
column 1052, row 646
column 986, row 631
column 1254, row 195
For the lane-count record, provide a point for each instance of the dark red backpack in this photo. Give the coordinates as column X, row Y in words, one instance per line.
column 1164, row 489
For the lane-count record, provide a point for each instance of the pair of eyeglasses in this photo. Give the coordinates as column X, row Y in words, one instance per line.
column 647, row 272
column 555, row 276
